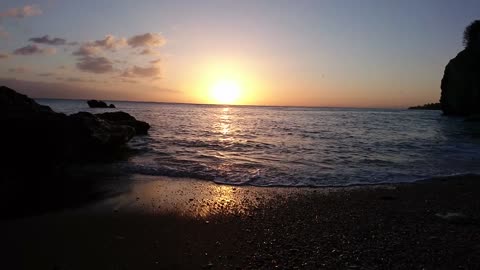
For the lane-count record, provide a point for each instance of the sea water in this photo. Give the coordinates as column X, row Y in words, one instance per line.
column 292, row 146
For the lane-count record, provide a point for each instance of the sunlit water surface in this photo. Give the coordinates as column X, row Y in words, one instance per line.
column 284, row 146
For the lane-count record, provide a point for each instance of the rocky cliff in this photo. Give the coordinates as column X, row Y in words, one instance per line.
column 461, row 84
column 461, row 79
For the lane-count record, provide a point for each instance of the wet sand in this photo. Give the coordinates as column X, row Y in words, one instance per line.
column 160, row 223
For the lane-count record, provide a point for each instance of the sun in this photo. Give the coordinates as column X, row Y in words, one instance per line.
column 225, row 92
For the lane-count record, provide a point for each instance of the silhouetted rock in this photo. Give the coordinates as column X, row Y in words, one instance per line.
column 461, row 80
column 429, row 106
column 18, row 104
column 473, row 118
column 99, row 133
column 99, row 104
column 123, row 118
column 37, row 140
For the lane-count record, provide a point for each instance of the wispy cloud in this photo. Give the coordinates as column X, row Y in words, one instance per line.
column 92, row 48
column 137, row 71
column 125, row 80
column 34, row 49
column 49, row 41
column 3, row 56
column 95, row 64
column 80, row 80
column 87, row 50
column 46, row 74
column 21, row 12
column 156, row 61
column 110, row 42
column 3, row 33
column 147, row 40
column 19, row 70
column 149, row 51
column 91, row 55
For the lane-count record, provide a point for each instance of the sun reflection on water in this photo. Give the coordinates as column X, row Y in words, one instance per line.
column 225, row 124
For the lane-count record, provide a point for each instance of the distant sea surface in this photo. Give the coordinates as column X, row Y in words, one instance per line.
column 287, row 146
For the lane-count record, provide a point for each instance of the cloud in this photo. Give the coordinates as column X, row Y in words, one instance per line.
column 137, row 71
column 34, row 49
column 95, row 64
column 67, row 90
column 80, row 80
column 110, row 42
column 3, row 56
column 156, row 61
column 149, row 51
column 91, row 48
column 61, row 89
column 86, row 50
column 3, row 33
column 21, row 12
column 147, row 40
column 47, row 74
column 19, row 70
column 128, row 81
column 46, row 40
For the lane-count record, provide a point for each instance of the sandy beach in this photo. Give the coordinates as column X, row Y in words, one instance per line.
column 162, row 223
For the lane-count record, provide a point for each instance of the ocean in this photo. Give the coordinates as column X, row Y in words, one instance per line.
column 293, row 146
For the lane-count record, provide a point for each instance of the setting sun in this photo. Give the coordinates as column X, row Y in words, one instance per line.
column 225, row 92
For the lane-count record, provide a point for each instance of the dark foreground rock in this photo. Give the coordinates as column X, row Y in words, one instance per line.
column 461, row 80
column 37, row 140
column 99, row 104
column 123, row 118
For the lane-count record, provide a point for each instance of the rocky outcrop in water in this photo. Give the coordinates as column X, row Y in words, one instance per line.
column 35, row 138
column 461, row 80
column 99, row 104
column 123, row 118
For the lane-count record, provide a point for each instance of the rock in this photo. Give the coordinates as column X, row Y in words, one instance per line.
column 16, row 104
column 101, row 133
column 461, row 80
column 99, row 104
column 454, row 218
column 37, row 138
column 429, row 106
column 123, row 118
column 473, row 118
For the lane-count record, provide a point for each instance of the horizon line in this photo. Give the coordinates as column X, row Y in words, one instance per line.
column 232, row 105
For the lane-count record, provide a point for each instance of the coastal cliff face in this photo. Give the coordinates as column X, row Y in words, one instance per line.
column 461, row 79
column 461, row 84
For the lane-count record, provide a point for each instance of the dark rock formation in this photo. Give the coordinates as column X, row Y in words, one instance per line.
column 123, row 118
column 16, row 104
column 461, row 80
column 100, row 133
column 429, row 106
column 99, row 104
column 35, row 139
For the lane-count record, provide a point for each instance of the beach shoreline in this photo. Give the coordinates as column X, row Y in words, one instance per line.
column 161, row 223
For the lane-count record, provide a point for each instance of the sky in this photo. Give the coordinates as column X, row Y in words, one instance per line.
column 339, row 53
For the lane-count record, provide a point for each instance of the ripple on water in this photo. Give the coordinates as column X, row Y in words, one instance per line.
column 269, row 146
